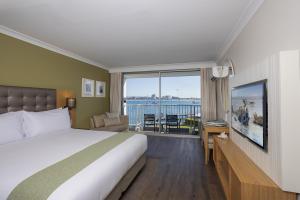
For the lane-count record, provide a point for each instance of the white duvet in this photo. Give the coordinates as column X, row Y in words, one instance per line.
column 22, row 159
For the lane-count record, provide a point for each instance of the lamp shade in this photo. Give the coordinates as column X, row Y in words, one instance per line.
column 71, row 103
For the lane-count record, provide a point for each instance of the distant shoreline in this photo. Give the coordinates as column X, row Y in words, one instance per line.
column 165, row 101
column 163, row 98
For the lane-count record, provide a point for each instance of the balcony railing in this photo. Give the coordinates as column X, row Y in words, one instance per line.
column 136, row 112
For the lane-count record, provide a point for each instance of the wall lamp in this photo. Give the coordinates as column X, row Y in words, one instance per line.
column 71, row 103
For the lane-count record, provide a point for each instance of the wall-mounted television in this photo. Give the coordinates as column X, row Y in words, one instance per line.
column 249, row 112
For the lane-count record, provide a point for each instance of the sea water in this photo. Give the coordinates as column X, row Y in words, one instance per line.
column 136, row 109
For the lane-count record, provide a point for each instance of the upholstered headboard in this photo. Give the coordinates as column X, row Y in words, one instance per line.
column 23, row 98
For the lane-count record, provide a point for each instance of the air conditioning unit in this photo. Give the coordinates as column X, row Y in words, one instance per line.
column 223, row 71
column 220, row 71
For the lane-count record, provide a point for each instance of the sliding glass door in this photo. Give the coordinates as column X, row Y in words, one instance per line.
column 164, row 102
column 141, row 97
column 180, row 101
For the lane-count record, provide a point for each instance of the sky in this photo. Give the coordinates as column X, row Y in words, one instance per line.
column 183, row 87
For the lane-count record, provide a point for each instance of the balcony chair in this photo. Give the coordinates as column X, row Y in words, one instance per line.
column 149, row 120
column 172, row 121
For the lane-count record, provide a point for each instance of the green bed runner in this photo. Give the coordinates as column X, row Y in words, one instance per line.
column 42, row 184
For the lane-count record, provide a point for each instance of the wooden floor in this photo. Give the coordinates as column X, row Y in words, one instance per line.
column 180, row 131
column 175, row 170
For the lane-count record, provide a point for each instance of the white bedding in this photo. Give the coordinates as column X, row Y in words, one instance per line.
column 23, row 158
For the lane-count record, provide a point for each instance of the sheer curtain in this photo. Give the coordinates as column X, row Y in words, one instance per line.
column 208, row 96
column 115, row 92
column 222, row 98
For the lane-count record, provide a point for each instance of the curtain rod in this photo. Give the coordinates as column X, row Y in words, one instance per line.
column 163, row 71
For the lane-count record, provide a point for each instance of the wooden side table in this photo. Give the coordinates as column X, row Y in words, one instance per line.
column 207, row 130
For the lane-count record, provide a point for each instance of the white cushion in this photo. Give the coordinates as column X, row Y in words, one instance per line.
column 36, row 123
column 11, row 127
column 112, row 121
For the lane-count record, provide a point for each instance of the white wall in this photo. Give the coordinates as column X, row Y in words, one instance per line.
column 289, row 79
column 256, row 56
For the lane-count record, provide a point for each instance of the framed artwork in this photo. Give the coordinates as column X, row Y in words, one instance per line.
column 87, row 89
column 100, row 89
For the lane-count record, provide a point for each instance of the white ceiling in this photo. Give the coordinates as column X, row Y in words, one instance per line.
column 117, row 33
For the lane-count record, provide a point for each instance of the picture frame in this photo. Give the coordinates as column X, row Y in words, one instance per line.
column 88, row 86
column 100, row 89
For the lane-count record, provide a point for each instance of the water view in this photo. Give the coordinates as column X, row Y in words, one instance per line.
column 184, row 108
column 180, row 96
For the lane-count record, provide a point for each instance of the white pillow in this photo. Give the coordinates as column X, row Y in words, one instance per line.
column 11, row 127
column 36, row 123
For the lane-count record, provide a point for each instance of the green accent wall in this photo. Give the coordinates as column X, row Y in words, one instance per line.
column 27, row 65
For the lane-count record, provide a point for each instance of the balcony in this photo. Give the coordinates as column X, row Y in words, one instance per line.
column 188, row 117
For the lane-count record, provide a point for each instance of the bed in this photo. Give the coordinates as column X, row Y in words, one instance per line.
column 103, row 178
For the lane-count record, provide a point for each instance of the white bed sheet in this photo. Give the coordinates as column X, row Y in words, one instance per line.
column 22, row 159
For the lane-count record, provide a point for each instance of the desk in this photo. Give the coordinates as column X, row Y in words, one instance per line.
column 207, row 130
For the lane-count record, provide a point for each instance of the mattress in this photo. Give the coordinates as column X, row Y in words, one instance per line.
column 22, row 159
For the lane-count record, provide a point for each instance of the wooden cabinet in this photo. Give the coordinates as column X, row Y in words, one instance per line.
column 207, row 130
column 241, row 179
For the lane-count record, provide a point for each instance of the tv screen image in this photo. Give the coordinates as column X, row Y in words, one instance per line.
column 249, row 112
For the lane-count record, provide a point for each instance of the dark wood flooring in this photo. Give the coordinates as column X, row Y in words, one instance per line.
column 180, row 131
column 175, row 170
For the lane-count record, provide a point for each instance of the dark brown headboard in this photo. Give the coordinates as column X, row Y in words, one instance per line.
column 23, row 98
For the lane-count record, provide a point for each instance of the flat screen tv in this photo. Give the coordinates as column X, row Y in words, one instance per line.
column 249, row 115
